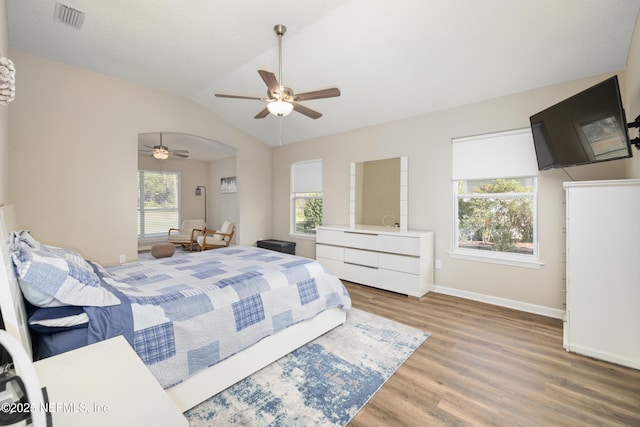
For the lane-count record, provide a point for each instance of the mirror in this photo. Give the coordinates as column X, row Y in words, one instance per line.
column 378, row 193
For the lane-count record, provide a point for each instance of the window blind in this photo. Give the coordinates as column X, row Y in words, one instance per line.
column 307, row 177
column 497, row 155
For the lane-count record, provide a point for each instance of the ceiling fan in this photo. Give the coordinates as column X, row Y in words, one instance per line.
column 162, row 152
column 281, row 100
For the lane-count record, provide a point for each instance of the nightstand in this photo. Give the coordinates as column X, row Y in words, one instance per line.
column 105, row 384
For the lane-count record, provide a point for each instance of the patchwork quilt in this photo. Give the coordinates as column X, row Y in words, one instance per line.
column 184, row 314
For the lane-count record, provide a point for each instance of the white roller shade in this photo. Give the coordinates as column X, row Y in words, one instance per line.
column 307, row 177
column 496, row 155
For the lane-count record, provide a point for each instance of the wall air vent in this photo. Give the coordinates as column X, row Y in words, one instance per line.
column 68, row 15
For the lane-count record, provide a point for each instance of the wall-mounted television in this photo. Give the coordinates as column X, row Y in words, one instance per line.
column 588, row 127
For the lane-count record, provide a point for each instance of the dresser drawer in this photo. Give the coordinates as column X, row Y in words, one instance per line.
column 331, row 252
column 347, row 239
column 328, row 237
column 399, row 244
column 406, row 264
column 360, row 240
column 360, row 257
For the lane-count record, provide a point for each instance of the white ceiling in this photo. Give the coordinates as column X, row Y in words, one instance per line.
column 390, row 59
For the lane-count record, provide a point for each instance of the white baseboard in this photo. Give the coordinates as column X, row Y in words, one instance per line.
column 502, row 302
column 607, row 357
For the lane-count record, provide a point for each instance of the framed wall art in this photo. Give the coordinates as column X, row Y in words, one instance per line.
column 228, row 184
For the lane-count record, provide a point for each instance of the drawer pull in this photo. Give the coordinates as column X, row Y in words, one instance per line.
column 360, row 265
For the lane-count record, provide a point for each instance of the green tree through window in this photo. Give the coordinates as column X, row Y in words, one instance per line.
column 312, row 215
column 158, row 202
column 306, row 196
column 496, row 215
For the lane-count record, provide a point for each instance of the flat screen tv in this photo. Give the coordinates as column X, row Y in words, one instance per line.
column 588, row 127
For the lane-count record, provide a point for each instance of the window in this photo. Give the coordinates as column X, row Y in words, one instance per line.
column 306, row 197
column 495, row 187
column 496, row 215
column 158, row 203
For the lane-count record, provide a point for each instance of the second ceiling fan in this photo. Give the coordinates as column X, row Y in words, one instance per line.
column 281, row 100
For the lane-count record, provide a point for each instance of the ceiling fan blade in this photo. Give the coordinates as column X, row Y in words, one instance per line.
column 184, row 156
column 179, row 151
column 318, row 94
column 224, row 95
column 306, row 111
column 262, row 114
column 270, row 80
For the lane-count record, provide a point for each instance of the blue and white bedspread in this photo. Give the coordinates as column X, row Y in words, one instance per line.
column 192, row 311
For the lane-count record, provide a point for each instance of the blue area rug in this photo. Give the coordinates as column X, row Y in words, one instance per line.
column 324, row 383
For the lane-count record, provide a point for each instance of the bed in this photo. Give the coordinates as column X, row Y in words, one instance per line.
column 200, row 322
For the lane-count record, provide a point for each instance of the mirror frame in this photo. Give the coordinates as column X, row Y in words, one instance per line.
column 404, row 193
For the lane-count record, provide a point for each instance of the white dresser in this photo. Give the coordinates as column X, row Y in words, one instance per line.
column 382, row 257
column 603, row 272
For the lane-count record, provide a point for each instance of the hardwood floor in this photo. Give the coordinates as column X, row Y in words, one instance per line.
column 485, row 365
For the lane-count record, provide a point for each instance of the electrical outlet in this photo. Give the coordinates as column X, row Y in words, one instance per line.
column 438, row 264
column 122, row 259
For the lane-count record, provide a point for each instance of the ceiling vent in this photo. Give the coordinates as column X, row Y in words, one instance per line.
column 68, row 15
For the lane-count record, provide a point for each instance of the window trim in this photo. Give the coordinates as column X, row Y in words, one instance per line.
column 293, row 198
column 503, row 154
column 140, row 212
column 505, row 258
column 292, row 231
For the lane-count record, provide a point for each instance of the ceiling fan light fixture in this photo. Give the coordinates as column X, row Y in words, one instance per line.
column 281, row 100
column 161, row 153
column 280, row 108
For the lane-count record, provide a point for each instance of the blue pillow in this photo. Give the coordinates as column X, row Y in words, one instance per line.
column 26, row 240
column 51, row 276
column 58, row 319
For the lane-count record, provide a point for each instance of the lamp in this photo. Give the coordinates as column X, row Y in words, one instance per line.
column 7, row 81
column 199, row 193
column 161, row 153
column 280, row 108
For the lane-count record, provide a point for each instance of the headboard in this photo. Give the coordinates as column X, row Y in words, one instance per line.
column 11, row 302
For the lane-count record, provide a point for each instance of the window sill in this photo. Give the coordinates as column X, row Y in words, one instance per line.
column 302, row 236
column 493, row 258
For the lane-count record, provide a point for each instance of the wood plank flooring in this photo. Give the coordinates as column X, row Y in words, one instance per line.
column 490, row 366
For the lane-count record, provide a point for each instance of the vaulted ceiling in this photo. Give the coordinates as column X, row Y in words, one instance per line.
column 390, row 59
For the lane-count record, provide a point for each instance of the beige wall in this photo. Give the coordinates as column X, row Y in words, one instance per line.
column 426, row 140
column 73, row 156
column 222, row 206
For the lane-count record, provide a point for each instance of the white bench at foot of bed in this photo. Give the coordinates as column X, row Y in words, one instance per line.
column 207, row 383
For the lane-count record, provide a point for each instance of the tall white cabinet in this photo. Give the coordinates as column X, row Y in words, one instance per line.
column 382, row 257
column 603, row 270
